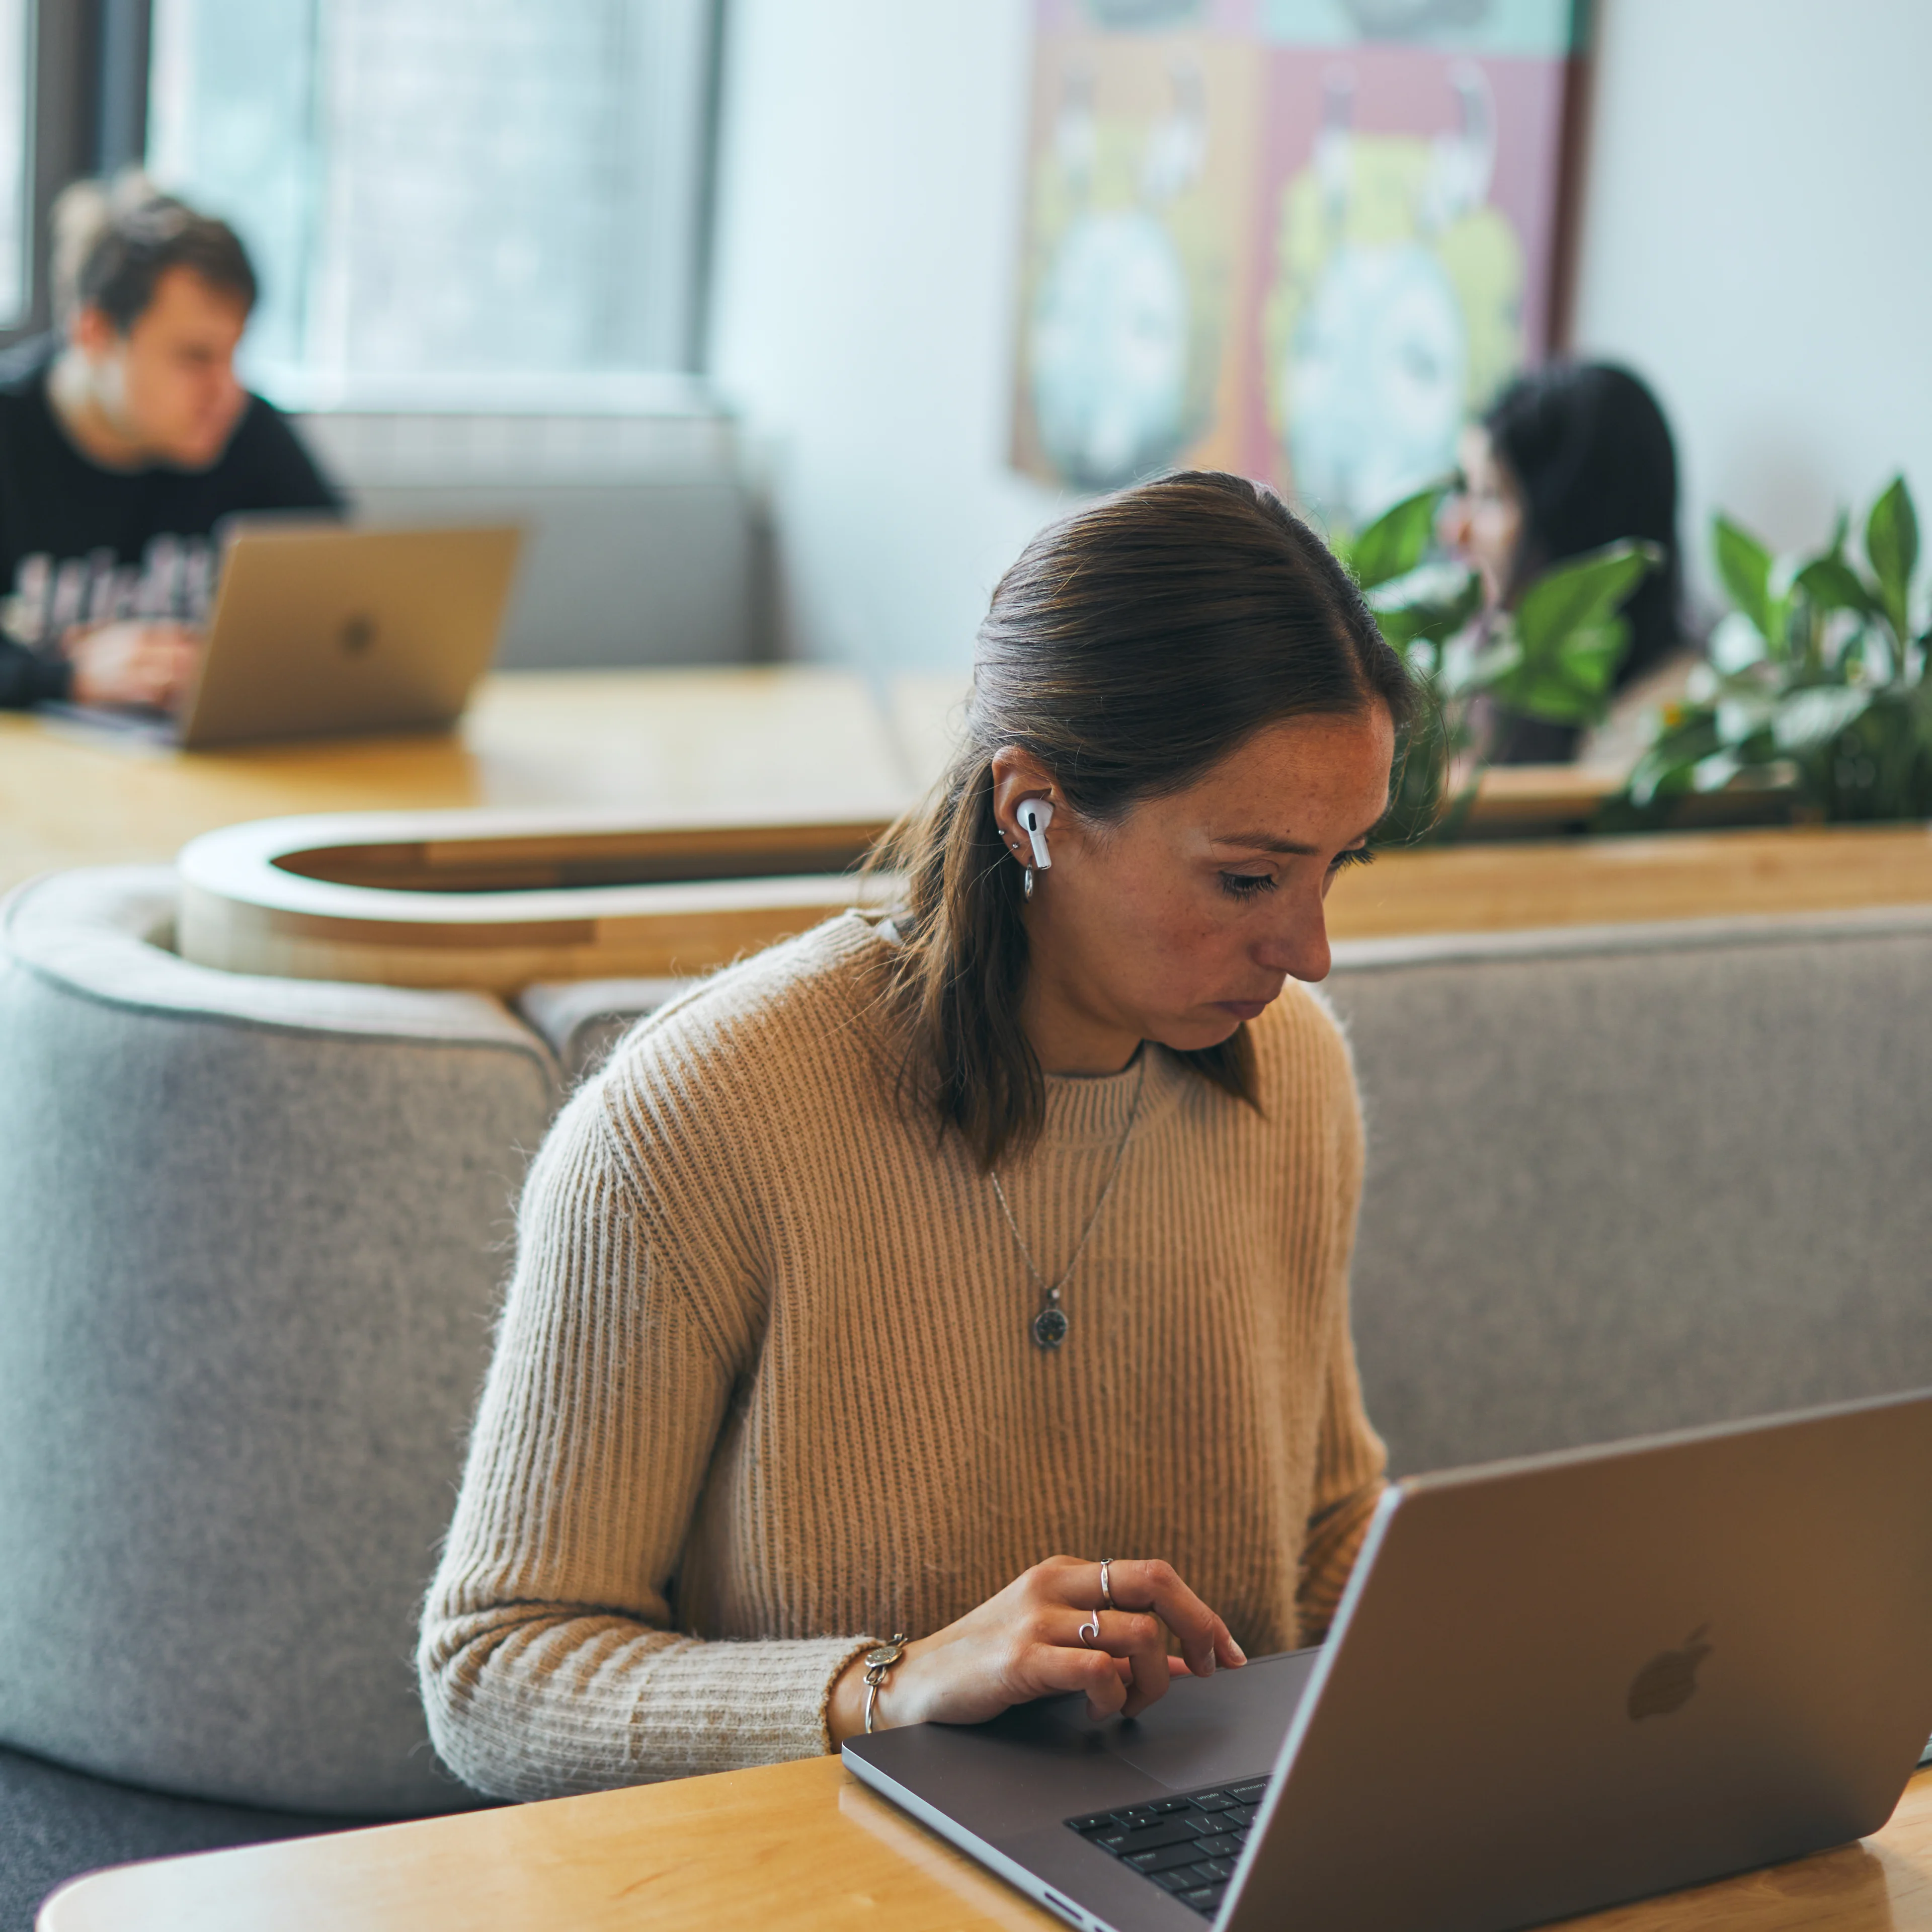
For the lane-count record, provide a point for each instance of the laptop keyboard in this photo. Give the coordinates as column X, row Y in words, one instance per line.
column 1186, row 1846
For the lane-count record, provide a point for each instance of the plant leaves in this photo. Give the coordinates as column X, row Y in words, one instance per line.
column 1428, row 604
column 1569, row 685
column 1402, row 628
column 1582, row 593
column 1892, row 548
column 1713, row 773
column 1658, row 774
column 1736, row 643
column 1744, row 565
column 1571, row 636
column 1395, row 542
column 1814, row 684
column 1808, row 718
column 1482, row 667
column 1831, row 583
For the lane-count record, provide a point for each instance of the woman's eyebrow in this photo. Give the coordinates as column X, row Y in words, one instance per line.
column 1266, row 841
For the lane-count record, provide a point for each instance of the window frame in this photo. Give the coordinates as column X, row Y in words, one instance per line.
column 88, row 116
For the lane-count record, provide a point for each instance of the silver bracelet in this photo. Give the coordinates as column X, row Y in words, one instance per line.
column 879, row 1659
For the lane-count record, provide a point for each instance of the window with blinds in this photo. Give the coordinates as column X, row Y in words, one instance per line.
column 440, row 190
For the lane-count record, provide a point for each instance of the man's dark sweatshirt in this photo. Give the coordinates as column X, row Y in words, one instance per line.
column 80, row 545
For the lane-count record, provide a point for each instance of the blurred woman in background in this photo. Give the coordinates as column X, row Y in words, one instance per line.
column 1570, row 458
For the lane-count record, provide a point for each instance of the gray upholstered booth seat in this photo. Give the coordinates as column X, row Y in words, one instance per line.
column 1635, row 1178
column 583, row 1019
column 1620, row 1179
column 250, row 1243
column 252, row 1230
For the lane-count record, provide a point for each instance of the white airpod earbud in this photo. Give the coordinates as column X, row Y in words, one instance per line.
column 1035, row 815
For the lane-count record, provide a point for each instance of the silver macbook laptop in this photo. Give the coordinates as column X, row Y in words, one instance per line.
column 1552, row 1684
column 321, row 630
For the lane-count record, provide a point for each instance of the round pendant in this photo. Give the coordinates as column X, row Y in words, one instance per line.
column 1049, row 1328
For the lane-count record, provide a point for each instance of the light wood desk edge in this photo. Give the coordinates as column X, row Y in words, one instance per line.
column 800, row 1845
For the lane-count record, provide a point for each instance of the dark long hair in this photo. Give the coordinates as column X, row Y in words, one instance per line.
column 1591, row 454
column 1129, row 649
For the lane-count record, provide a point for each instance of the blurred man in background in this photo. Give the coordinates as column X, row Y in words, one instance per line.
column 124, row 439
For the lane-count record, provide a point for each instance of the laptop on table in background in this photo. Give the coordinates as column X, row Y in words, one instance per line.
column 322, row 630
column 1552, row 1684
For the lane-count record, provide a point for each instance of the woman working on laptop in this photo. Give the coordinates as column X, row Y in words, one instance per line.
column 887, row 1268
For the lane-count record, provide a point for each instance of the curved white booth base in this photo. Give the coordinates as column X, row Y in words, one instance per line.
column 251, row 1237
column 500, row 900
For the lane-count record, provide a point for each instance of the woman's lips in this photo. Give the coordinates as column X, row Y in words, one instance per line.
column 1244, row 1009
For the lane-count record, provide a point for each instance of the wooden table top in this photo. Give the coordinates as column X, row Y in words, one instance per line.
column 1653, row 876
column 787, row 742
column 801, row 1846
column 801, row 743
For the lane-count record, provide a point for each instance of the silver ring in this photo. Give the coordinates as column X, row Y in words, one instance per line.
column 1089, row 1630
column 1106, row 1583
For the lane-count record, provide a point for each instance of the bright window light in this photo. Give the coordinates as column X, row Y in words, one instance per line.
column 447, row 192
column 16, row 162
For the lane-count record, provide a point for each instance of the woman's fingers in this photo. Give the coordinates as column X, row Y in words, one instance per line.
column 1028, row 1642
column 1058, row 1661
column 1147, row 1656
column 1117, row 1658
column 1138, row 1642
column 1152, row 1585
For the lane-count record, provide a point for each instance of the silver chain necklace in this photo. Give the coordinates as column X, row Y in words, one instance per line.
column 1050, row 1325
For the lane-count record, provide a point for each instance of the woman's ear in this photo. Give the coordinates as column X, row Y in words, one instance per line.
column 1018, row 777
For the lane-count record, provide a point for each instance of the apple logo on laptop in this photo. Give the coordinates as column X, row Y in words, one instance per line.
column 1665, row 1684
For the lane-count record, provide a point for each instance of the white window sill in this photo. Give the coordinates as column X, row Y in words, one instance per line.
column 498, row 438
column 305, row 390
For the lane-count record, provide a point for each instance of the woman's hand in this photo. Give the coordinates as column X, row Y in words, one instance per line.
column 1025, row 1643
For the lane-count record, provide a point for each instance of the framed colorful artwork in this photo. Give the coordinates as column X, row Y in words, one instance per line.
column 1305, row 239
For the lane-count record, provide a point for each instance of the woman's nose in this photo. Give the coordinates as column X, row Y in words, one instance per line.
column 1452, row 523
column 1299, row 947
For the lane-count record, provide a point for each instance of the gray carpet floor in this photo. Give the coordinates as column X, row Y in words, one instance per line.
column 56, row 1824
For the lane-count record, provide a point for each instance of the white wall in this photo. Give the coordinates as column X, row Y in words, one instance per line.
column 1755, row 240
column 868, row 211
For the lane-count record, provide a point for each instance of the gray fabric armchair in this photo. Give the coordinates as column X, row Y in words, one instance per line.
column 252, row 1233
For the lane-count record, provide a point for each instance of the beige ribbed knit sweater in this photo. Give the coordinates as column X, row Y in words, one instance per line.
column 765, row 1385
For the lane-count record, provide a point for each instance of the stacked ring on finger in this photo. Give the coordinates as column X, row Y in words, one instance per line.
column 1106, row 1583
column 1090, row 1630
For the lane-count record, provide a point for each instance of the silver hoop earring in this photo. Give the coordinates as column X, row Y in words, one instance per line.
column 1029, row 882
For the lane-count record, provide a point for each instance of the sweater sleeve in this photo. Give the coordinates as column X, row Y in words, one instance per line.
column 1350, row 1457
column 27, row 678
column 549, row 1662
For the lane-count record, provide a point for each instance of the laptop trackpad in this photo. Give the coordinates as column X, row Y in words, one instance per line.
column 1206, row 1731
column 1185, row 1762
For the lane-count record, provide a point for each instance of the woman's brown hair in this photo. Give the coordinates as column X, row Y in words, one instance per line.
column 1131, row 647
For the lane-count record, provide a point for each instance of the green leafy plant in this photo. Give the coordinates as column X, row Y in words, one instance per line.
column 1552, row 656
column 1817, row 683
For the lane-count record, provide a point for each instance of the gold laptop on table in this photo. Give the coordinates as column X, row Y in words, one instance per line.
column 322, row 630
